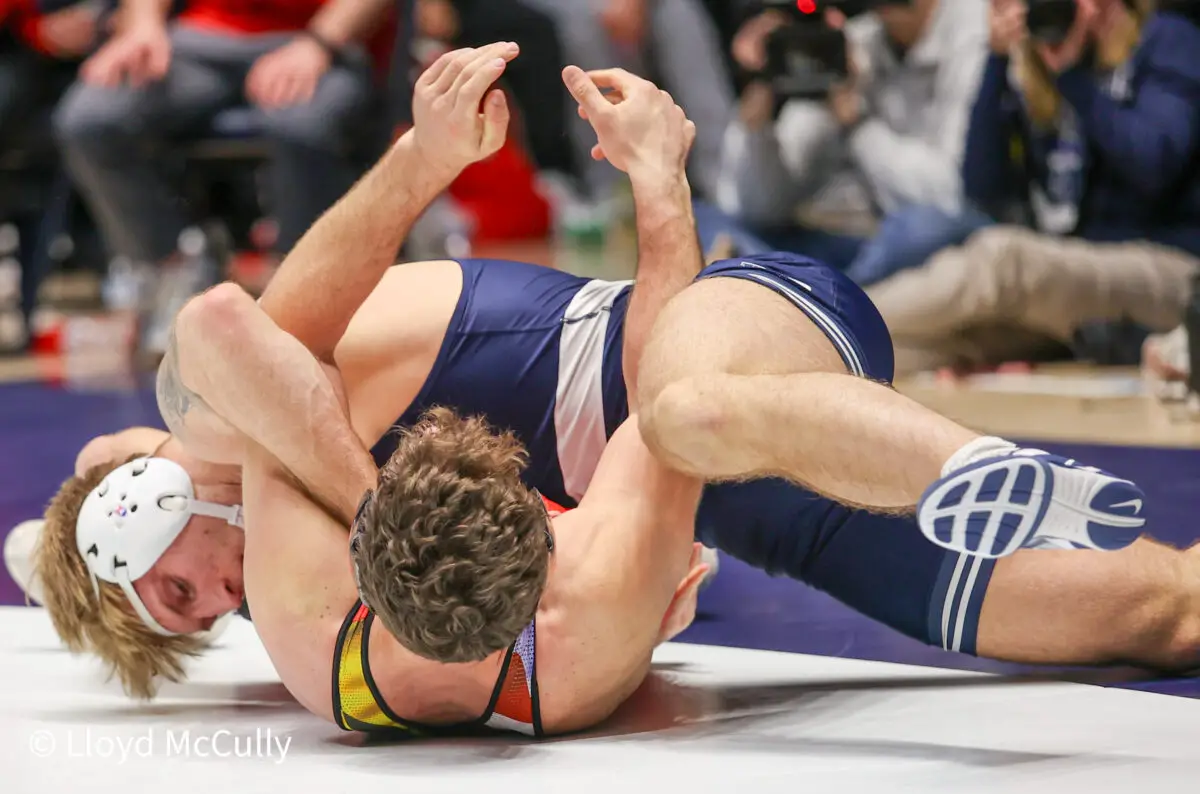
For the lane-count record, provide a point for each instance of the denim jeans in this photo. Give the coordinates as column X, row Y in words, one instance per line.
column 908, row 238
column 835, row 250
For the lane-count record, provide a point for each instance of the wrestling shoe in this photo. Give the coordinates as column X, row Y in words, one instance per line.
column 19, row 548
column 1028, row 498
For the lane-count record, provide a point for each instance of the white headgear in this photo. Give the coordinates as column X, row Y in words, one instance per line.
column 132, row 517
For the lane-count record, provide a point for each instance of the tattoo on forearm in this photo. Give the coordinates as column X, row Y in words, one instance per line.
column 174, row 399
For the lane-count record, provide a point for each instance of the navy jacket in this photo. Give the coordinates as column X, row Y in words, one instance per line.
column 1143, row 146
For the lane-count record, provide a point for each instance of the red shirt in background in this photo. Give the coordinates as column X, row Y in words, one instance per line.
column 21, row 16
column 255, row 17
column 250, row 16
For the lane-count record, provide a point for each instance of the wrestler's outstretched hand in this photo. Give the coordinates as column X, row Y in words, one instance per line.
column 458, row 118
column 639, row 127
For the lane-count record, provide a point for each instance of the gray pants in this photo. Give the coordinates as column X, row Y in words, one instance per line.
column 108, row 138
column 1009, row 292
column 684, row 49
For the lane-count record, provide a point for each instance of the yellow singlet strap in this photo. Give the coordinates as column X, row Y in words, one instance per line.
column 355, row 704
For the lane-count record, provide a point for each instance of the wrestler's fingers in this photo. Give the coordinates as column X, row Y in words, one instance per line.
column 585, row 92
column 452, row 70
column 495, row 122
column 598, row 153
column 481, row 72
column 620, row 81
column 472, row 91
column 613, row 97
column 430, row 76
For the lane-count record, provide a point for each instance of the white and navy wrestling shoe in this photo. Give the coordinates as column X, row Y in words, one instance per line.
column 1028, row 498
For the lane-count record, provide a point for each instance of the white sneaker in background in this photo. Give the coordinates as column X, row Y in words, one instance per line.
column 129, row 286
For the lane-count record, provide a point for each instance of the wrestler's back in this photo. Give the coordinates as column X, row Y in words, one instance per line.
column 391, row 345
column 535, row 350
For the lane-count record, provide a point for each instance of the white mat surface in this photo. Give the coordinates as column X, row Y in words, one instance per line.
column 713, row 719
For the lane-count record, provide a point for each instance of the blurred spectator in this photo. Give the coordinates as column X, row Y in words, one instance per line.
column 301, row 64
column 541, row 123
column 1096, row 142
column 1165, row 357
column 889, row 139
column 534, row 78
column 41, row 45
column 676, row 39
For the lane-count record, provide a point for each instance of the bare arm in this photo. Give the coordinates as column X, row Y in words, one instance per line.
column 644, row 133
column 229, row 365
column 143, row 12
column 341, row 259
column 341, row 22
column 266, row 368
column 669, row 257
column 337, row 263
column 641, row 522
column 297, row 577
column 201, row 431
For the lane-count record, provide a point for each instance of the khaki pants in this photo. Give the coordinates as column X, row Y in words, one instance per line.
column 1008, row 293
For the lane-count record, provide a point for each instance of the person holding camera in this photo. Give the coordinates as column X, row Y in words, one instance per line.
column 1085, row 137
column 818, row 175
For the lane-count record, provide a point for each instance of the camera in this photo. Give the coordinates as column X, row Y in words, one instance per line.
column 1049, row 21
column 806, row 57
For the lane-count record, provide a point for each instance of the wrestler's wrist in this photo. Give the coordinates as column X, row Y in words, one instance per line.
column 419, row 165
column 658, row 185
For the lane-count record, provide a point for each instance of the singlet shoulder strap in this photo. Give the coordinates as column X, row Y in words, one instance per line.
column 359, row 706
column 515, row 705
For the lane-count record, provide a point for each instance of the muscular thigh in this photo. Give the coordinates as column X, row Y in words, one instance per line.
column 733, row 326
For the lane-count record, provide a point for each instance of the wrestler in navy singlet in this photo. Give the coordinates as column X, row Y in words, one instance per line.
column 538, row 352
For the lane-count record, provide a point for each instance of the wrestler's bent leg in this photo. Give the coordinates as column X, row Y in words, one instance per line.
column 781, row 367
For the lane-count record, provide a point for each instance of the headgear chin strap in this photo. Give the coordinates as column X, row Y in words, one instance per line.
column 132, row 517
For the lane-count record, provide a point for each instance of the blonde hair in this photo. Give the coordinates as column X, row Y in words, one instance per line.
column 1037, row 84
column 108, row 626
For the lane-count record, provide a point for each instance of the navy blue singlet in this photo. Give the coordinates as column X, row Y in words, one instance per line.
column 538, row 352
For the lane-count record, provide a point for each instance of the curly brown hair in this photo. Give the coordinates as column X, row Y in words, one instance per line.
column 451, row 552
column 108, row 626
